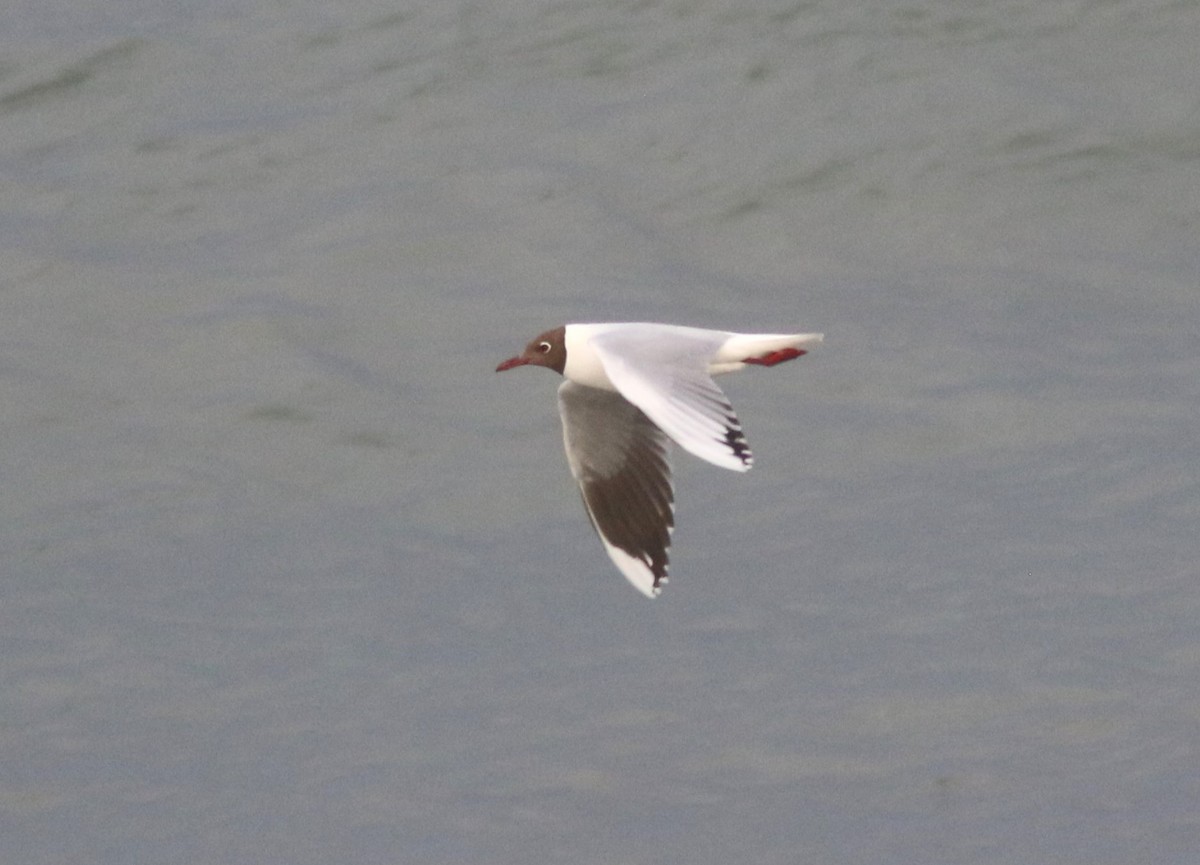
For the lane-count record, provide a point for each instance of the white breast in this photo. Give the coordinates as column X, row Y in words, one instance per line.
column 583, row 364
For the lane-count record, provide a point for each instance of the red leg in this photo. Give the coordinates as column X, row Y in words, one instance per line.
column 773, row 357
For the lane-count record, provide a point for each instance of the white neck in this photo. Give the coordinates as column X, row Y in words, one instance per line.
column 583, row 364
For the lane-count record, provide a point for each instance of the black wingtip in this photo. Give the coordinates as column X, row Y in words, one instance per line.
column 735, row 440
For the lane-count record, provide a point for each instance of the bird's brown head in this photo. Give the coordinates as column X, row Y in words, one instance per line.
column 547, row 349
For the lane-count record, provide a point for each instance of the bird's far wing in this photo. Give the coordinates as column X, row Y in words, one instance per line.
column 620, row 460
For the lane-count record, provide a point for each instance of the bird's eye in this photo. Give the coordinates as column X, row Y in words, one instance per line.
column 544, row 347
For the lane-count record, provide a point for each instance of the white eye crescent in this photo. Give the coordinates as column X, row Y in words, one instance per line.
column 544, row 347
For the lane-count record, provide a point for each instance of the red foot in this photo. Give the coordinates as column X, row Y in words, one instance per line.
column 774, row 357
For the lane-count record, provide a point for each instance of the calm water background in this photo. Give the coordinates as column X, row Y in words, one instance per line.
column 289, row 576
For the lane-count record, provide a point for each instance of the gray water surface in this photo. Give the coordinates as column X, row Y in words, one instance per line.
column 290, row 576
